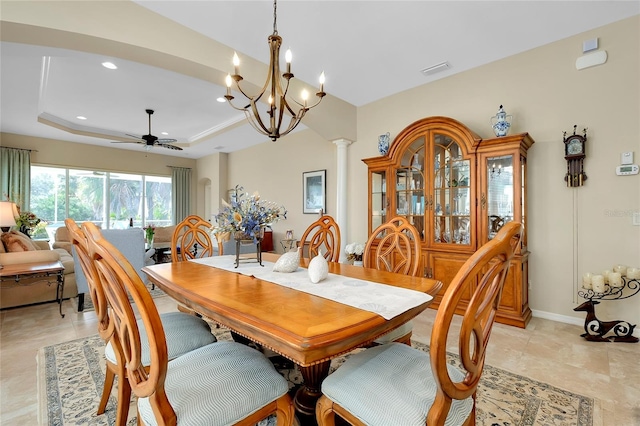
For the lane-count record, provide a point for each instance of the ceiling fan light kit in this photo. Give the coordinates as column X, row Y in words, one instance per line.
column 277, row 100
column 150, row 140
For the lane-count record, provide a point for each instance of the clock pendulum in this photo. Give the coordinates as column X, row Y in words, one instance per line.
column 574, row 153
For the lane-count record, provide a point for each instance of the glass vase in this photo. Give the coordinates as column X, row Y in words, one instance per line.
column 149, row 240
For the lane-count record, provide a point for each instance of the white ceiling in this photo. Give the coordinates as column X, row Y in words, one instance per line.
column 368, row 49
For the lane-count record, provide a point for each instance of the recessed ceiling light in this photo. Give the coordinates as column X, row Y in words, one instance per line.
column 80, row 117
column 221, row 99
column 110, row 65
column 164, row 133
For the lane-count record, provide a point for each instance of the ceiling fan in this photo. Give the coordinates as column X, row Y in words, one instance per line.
column 150, row 140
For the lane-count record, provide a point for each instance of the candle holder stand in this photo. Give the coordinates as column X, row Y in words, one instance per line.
column 249, row 258
column 608, row 331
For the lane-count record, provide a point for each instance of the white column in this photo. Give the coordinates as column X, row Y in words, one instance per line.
column 341, row 192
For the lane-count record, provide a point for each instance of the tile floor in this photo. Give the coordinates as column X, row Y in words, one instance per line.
column 547, row 351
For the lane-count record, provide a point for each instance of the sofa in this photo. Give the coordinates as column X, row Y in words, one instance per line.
column 130, row 242
column 62, row 240
column 32, row 291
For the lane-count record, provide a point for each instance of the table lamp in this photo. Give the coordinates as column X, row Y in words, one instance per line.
column 8, row 214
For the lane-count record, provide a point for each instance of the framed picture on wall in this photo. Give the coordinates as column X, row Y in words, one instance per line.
column 314, row 191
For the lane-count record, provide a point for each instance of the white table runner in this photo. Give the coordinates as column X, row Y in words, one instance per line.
column 385, row 300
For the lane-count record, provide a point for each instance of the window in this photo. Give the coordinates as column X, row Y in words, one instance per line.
column 106, row 198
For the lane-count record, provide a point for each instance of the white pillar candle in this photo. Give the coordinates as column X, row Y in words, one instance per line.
column 633, row 273
column 586, row 280
column 620, row 268
column 615, row 279
column 597, row 281
column 605, row 274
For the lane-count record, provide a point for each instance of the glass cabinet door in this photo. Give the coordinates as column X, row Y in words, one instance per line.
column 409, row 201
column 451, row 193
column 379, row 202
column 500, row 193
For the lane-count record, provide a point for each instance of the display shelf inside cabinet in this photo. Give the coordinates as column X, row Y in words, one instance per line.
column 608, row 331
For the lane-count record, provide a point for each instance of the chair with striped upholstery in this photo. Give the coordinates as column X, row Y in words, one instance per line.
column 426, row 389
column 223, row 383
column 184, row 332
column 394, row 246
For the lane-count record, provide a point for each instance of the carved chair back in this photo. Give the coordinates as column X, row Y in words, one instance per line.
column 96, row 291
column 322, row 235
column 394, row 246
column 485, row 271
column 122, row 280
column 191, row 239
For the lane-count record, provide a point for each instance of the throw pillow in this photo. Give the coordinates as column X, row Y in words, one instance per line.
column 318, row 268
column 288, row 262
column 16, row 241
column 2, row 249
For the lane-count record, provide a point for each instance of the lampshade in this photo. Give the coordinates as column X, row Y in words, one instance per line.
column 8, row 214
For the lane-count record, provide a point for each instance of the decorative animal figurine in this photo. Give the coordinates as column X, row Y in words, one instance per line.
column 595, row 330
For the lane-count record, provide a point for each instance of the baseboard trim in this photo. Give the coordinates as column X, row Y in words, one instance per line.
column 566, row 319
column 557, row 317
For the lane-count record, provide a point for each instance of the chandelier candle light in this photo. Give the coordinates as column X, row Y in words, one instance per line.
column 277, row 101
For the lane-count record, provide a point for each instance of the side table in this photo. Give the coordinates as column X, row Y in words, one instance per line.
column 11, row 275
column 288, row 244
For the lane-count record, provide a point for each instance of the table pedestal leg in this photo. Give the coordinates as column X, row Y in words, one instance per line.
column 309, row 393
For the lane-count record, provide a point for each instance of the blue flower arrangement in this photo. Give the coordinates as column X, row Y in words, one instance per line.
column 247, row 214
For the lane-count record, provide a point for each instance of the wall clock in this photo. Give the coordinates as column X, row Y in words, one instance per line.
column 574, row 153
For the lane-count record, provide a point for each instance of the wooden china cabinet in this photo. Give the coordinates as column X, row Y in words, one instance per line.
column 458, row 190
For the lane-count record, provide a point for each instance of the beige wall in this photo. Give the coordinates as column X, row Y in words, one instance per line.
column 571, row 230
column 274, row 169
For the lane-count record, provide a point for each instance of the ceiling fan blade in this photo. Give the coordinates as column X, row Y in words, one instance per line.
column 167, row 145
column 150, row 140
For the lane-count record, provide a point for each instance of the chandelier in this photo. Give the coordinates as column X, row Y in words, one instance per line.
column 278, row 104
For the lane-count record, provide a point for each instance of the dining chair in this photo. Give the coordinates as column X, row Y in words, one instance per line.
column 192, row 239
column 426, row 389
column 218, row 384
column 184, row 332
column 323, row 235
column 394, row 246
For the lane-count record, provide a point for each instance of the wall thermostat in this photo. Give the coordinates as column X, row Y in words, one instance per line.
column 628, row 169
column 626, row 157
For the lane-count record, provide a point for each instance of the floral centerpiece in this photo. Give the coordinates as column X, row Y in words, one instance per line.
column 29, row 223
column 354, row 252
column 245, row 216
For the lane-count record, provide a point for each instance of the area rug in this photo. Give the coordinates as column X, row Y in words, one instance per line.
column 71, row 376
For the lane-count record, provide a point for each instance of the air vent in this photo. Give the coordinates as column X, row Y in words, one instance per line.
column 436, row 68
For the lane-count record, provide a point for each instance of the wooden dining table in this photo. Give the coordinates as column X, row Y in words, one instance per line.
column 308, row 330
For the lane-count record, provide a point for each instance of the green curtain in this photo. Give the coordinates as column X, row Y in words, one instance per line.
column 180, row 193
column 15, row 176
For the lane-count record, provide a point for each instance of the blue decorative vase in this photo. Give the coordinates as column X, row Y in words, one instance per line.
column 383, row 143
column 501, row 122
